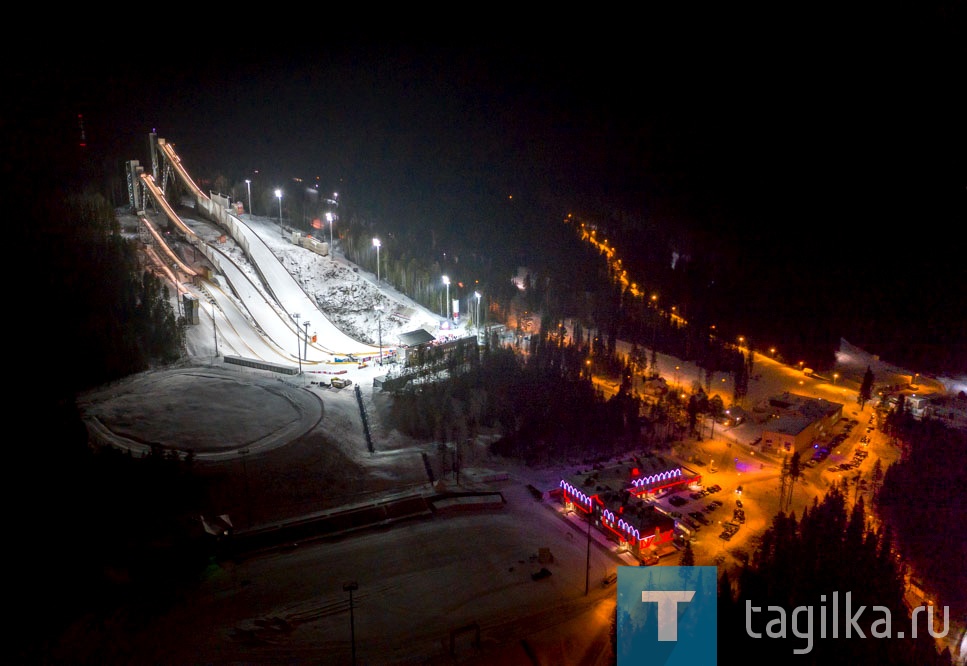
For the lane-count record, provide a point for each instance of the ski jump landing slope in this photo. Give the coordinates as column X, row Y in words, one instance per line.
column 277, row 323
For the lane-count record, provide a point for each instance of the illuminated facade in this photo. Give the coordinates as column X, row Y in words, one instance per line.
column 615, row 500
column 798, row 421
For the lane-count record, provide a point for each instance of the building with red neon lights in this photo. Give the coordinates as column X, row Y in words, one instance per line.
column 615, row 500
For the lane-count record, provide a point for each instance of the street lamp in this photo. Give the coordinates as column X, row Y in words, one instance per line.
column 377, row 245
column 329, row 218
column 248, row 186
column 306, row 324
column 587, row 566
column 835, row 377
column 446, row 309
column 379, row 328
column 278, row 194
column 476, row 315
column 296, row 315
column 350, row 587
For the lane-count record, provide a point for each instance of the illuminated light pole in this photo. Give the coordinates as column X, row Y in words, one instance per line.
column 298, row 355
column 587, row 566
column 476, row 316
column 306, row 324
column 835, row 377
column 446, row 310
column 248, row 186
column 377, row 245
column 278, row 194
column 350, row 587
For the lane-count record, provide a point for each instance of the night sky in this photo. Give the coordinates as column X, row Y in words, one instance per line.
column 825, row 150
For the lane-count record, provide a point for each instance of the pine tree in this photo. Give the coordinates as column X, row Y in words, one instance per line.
column 866, row 388
column 687, row 558
column 876, row 477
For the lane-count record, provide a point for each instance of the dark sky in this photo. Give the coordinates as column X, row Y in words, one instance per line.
column 848, row 127
column 832, row 138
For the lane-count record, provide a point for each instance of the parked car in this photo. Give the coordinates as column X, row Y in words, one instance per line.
column 700, row 517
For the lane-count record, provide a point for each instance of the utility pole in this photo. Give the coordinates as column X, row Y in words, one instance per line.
column 298, row 345
column 306, row 324
column 379, row 327
column 785, row 487
column 248, row 497
column 587, row 568
column 278, row 194
column 349, row 587
column 215, row 332
column 476, row 314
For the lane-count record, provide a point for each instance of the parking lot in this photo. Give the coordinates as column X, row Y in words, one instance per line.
column 713, row 518
column 726, row 516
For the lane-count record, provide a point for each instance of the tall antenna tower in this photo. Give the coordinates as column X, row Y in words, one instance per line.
column 785, row 486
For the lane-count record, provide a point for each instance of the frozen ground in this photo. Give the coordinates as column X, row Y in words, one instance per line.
column 273, row 450
column 419, row 580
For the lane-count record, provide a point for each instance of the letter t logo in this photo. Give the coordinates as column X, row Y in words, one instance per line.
column 667, row 610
